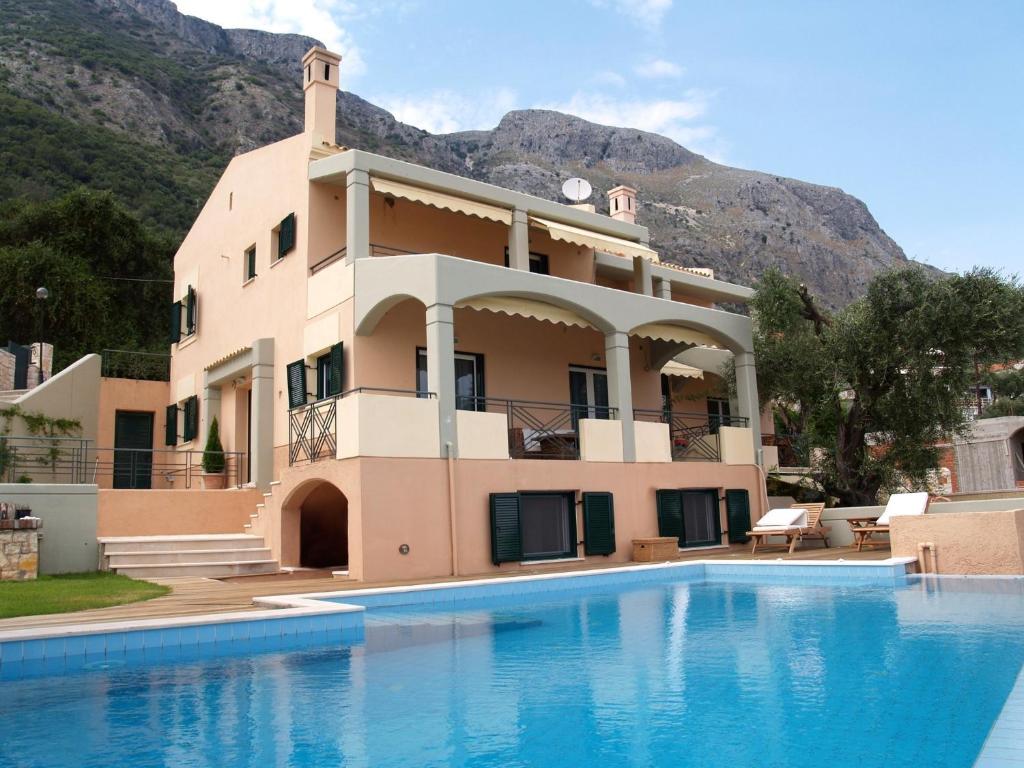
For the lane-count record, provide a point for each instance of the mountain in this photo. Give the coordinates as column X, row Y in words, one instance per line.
column 132, row 96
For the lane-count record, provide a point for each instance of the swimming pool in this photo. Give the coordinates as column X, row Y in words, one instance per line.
column 709, row 670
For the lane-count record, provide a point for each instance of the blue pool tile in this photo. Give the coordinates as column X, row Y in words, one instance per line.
column 239, row 630
column 170, row 637
column 95, row 645
column 53, row 648
column 152, row 638
column 12, row 652
column 258, row 630
column 33, row 649
column 207, row 633
column 133, row 641
column 189, row 636
column 222, row 633
column 115, row 643
column 74, row 645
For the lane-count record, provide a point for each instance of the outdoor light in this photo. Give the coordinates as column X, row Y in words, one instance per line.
column 41, row 295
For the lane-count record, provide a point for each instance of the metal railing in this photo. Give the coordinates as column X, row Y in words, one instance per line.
column 376, row 249
column 792, row 448
column 76, row 461
column 40, row 458
column 537, row 429
column 131, row 364
column 313, row 428
column 692, row 436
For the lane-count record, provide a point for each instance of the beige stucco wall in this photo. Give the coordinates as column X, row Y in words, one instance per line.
column 386, row 425
column 74, row 393
column 652, row 442
column 968, row 543
column 406, row 501
column 482, row 435
column 168, row 513
column 736, row 445
column 600, row 440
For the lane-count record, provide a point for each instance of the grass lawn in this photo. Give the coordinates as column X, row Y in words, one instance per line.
column 72, row 592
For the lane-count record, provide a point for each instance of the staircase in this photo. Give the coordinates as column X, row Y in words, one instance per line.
column 10, row 395
column 213, row 555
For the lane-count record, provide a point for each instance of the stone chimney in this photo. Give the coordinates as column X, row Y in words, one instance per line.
column 320, row 82
column 622, row 204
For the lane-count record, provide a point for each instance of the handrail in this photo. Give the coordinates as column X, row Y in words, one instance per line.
column 358, row 390
column 135, row 364
column 327, row 260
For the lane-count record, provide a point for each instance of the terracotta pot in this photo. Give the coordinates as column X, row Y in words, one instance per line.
column 214, row 481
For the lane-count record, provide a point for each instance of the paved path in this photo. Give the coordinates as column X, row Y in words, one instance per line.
column 192, row 595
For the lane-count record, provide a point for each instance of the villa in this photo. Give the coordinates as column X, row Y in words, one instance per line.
column 426, row 375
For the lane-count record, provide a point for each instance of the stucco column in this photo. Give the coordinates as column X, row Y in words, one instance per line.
column 261, row 438
column 357, row 215
column 620, row 388
column 663, row 289
column 642, row 282
column 519, row 241
column 746, row 397
column 441, row 371
column 209, row 408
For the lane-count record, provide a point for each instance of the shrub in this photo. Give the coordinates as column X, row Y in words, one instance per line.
column 213, row 453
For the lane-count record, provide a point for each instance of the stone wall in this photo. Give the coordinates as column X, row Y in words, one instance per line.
column 19, row 549
column 6, row 371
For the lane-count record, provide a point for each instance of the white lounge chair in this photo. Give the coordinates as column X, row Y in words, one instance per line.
column 863, row 528
column 788, row 522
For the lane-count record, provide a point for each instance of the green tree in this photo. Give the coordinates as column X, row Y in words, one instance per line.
column 82, row 247
column 1008, row 393
column 876, row 386
column 213, row 453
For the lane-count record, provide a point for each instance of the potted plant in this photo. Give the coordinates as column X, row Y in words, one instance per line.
column 213, row 459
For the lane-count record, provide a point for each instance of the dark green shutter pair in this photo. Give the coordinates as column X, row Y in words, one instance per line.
column 188, row 307
column 295, row 373
column 286, row 235
column 670, row 513
column 191, row 422
column 506, row 537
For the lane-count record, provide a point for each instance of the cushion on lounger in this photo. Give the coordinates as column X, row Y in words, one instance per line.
column 783, row 519
column 904, row 504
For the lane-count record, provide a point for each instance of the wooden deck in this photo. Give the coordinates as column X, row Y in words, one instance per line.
column 198, row 595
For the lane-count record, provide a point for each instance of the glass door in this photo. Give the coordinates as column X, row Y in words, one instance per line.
column 701, row 525
column 469, row 379
column 588, row 393
column 133, row 449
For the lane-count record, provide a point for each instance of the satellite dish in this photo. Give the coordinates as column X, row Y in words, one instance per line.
column 576, row 189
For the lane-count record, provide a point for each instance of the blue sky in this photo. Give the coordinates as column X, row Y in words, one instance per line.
column 915, row 107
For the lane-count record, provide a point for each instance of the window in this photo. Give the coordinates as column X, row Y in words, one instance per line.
column 469, row 379
column 690, row 515
column 588, row 392
column 184, row 313
column 327, row 71
column 538, row 262
column 718, row 414
column 533, row 526
column 250, row 264
column 295, row 374
column 283, row 236
column 329, row 373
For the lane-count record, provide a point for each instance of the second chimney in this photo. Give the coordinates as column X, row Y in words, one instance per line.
column 622, row 204
column 320, row 82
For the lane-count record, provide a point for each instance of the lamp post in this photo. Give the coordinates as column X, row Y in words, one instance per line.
column 42, row 294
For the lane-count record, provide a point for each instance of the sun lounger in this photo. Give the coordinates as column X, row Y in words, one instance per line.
column 865, row 528
column 814, row 529
column 786, row 522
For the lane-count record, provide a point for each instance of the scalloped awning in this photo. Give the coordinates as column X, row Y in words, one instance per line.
column 538, row 310
column 677, row 334
column 594, row 240
column 672, row 368
column 442, row 200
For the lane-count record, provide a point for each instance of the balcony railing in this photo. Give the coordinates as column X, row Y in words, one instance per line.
column 375, row 250
column 313, row 428
column 131, row 364
column 540, row 430
column 76, row 461
column 692, row 436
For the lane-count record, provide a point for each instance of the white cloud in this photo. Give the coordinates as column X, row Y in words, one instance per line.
column 678, row 119
column 645, row 13
column 658, row 68
column 315, row 18
column 445, row 111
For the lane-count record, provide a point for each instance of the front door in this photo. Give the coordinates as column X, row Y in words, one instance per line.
column 469, row 379
column 588, row 393
column 133, row 449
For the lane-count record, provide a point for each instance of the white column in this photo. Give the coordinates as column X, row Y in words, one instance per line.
column 261, row 440
column 642, row 282
column 620, row 388
column 519, row 241
column 357, row 215
column 746, row 397
column 441, row 371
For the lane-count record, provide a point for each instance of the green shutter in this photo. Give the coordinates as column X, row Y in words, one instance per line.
column 171, row 425
column 286, row 235
column 191, row 425
column 337, row 369
column 190, row 311
column 506, row 543
column 598, row 523
column 250, row 264
column 296, row 375
column 737, row 511
column 670, row 513
column 174, row 332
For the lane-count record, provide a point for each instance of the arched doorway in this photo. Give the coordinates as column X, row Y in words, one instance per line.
column 323, row 528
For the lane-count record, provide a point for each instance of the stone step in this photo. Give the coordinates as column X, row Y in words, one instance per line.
column 117, row 544
column 249, row 555
column 208, row 570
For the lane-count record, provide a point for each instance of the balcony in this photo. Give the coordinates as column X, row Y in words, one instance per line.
column 697, row 436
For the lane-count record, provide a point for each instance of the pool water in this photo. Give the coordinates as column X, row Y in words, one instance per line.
column 670, row 674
